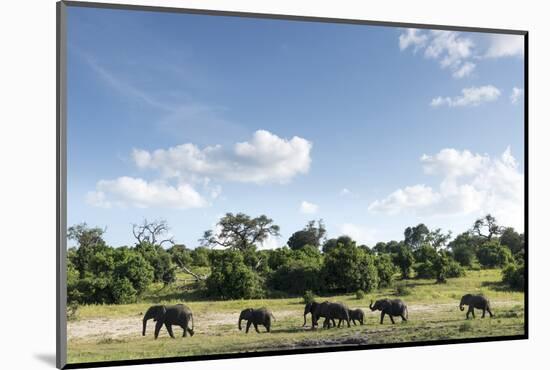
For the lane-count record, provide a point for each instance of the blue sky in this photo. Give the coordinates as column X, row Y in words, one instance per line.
column 373, row 129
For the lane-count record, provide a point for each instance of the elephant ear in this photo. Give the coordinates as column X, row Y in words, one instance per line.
column 161, row 313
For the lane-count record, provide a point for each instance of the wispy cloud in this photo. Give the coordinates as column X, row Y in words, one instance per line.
column 505, row 46
column 516, row 95
column 472, row 96
column 308, row 208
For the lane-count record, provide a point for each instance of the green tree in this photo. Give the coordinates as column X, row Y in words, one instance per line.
column 348, row 268
column 311, row 234
column 201, row 257
column 240, row 231
column 492, row 254
column 89, row 242
column 512, row 239
column 386, row 269
column 344, row 240
column 486, row 227
column 231, row 278
column 514, row 276
column 181, row 256
column 403, row 258
column 464, row 249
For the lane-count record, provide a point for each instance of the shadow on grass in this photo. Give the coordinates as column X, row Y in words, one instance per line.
column 497, row 286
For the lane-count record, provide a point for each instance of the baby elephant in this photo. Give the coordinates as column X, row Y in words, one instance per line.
column 356, row 314
column 257, row 317
column 475, row 301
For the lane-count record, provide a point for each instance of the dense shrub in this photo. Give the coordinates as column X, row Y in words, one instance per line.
column 513, row 275
column 403, row 258
column 200, row 257
column 359, row 294
column 297, row 271
column 440, row 267
column 348, row 268
column 386, row 269
column 493, row 254
column 231, row 278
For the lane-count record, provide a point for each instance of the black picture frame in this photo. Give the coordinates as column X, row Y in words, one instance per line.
column 61, row 186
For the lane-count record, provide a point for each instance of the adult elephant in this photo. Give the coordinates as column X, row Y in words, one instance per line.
column 475, row 301
column 390, row 307
column 256, row 317
column 178, row 314
column 329, row 310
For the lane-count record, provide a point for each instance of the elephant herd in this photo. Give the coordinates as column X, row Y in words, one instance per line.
column 182, row 316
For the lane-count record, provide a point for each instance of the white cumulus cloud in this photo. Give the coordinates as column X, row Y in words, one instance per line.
column 472, row 96
column 308, row 208
column 135, row 192
column 412, row 37
column 344, row 192
column 266, row 158
column 469, row 184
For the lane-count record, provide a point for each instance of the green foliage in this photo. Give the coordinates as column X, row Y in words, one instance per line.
column 513, row 240
column 386, row 269
column 344, row 240
column 123, row 291
column 231, row 278
column 298, row 271
column 464, row 248
column 492, row 254
column 181, row 256
column 359, row 294
column 308, row 297
column 312, row 235
column 201, row 257
column 439, row 266
column 403, row 258
column 514, row 276
column 402, row 290
column 159, row 259
column 348, row 268
column 240, row 231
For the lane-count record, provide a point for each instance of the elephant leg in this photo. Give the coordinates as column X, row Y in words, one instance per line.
column 268, row 328
column 333, row 322
column 473, row 313
column 490, row 313
column 339, row 322
column 382, row 317
column 158, row 325
column 169, row 329
column 403, row 317
column 256, row 327
column 391, row 318
column 326, row 323
column 483, row 314
column 248, row 323
column 354, row 322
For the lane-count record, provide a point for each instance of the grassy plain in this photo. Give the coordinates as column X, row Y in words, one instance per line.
column 113, row 332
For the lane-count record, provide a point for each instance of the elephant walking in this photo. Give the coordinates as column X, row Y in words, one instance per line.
column 390, row 307
column 475, row 301
column 356, row 314
column 256, row 317
column 179, row 314
column 330, row 311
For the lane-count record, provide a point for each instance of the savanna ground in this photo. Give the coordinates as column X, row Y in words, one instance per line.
column 113, row 332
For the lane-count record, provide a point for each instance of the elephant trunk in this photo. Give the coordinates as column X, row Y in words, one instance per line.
column 371, row 307
column 461, row 306
column 305, row 320
column 148, row 315
column 240, row 319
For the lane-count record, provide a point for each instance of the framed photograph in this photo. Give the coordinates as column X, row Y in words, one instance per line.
column 234, row 184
